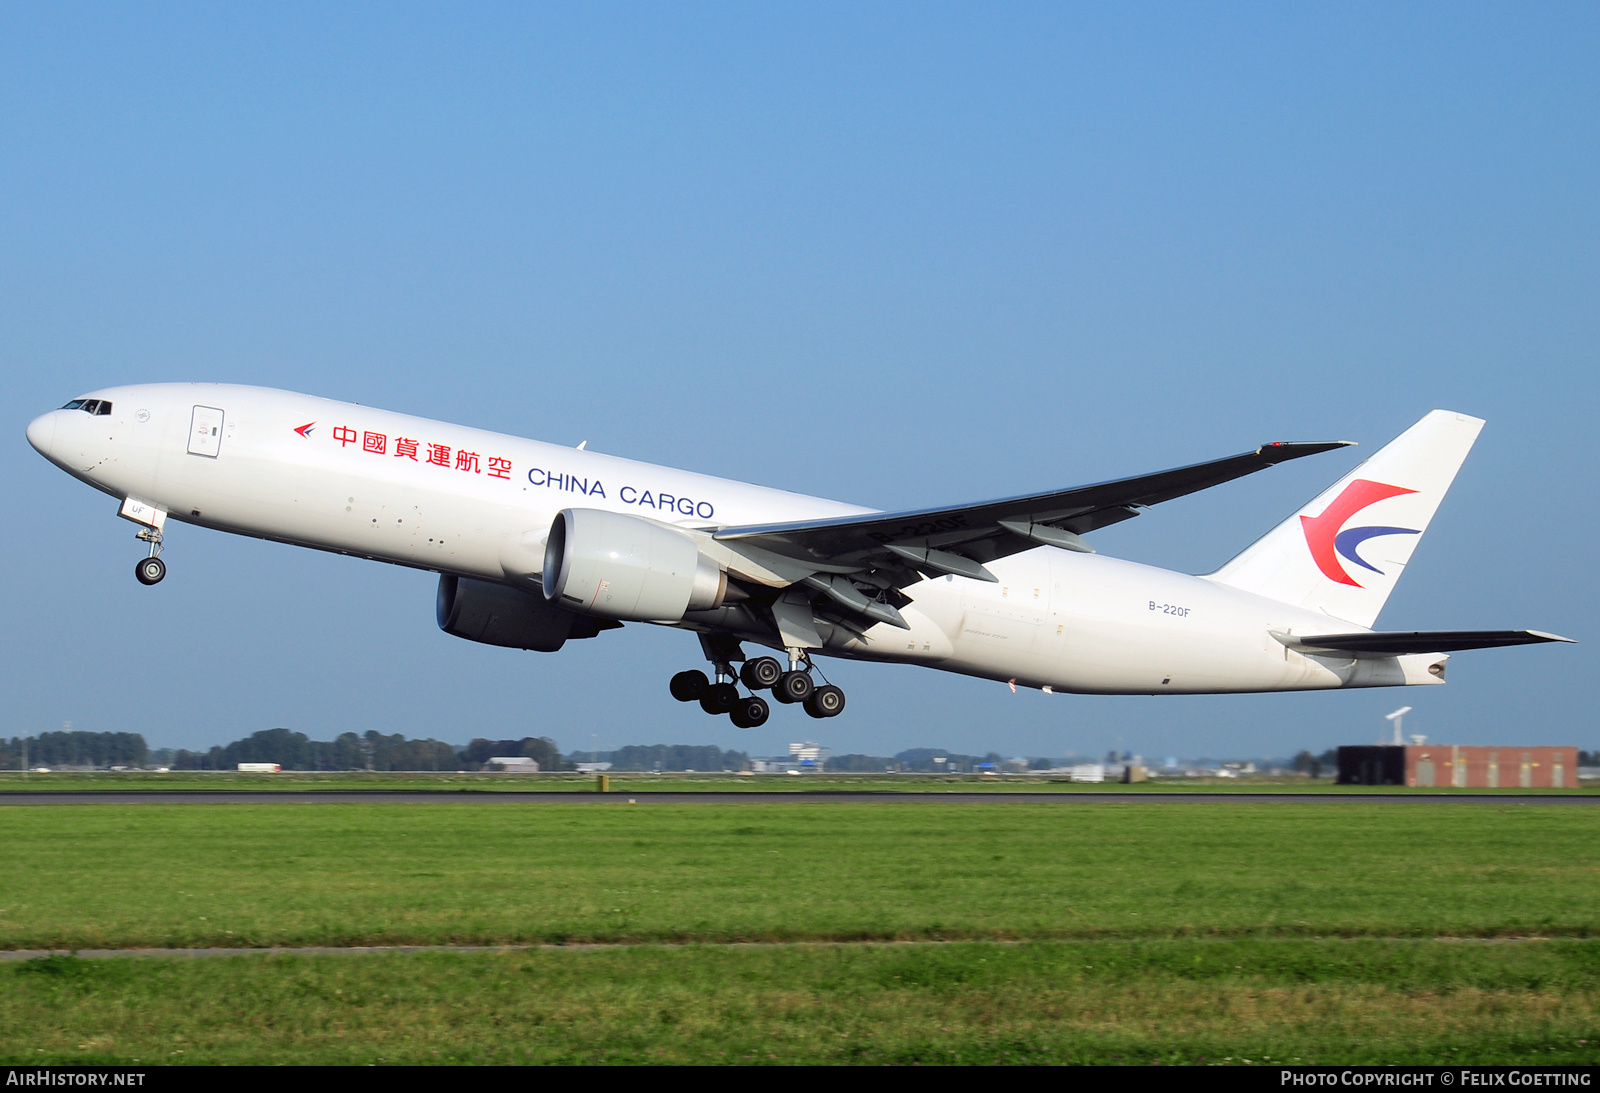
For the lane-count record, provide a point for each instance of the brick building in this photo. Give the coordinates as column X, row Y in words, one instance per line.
column 1462, row 766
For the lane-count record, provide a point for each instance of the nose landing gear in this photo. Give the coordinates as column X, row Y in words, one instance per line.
column 150, row 570
column 150, row 519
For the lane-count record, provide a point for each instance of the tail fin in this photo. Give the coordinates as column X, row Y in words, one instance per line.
column 1343, row 553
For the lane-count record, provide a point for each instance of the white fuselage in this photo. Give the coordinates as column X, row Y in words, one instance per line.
column 451, row 499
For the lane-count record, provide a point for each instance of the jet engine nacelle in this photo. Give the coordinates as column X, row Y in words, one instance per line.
column 496, row 614
column 621, row 567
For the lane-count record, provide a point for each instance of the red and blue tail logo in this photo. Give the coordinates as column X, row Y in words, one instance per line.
column 1328, row 543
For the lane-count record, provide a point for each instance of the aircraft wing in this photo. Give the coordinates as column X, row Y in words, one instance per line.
column 1399, row 643
column 960, row 539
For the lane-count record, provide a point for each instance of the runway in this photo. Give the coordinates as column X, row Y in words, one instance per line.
column 445, row 797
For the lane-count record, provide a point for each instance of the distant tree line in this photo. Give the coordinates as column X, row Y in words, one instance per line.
column 370, row 751
column 541, row 749
column 921, row 760
column 376, row 751
column 856, row 763
column 670, row 757
column 291, row 750
column 681, row 757
column 1315, row 765
column 74, row 749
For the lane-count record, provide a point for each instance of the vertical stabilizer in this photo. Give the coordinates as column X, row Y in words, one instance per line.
column 1343, row 553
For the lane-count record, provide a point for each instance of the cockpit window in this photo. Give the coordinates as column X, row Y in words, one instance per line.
column 95, row 406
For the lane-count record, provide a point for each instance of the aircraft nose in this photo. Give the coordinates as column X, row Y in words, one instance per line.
column 42, row 433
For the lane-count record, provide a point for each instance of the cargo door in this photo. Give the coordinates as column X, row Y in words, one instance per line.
column 1424, row 772
column 1558, row 774
column 1494, row 770
column 1008, row 619
column 1527, row 771
column 205, row 431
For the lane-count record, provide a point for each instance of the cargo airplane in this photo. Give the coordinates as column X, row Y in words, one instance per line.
column 538, row 544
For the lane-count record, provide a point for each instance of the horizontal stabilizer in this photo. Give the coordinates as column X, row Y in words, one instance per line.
column 1403, row 642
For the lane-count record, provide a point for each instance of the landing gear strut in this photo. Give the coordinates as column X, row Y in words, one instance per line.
column 795, row 685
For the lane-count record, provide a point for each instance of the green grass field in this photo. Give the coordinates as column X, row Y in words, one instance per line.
column 1110, row 932
column 1187, row 1001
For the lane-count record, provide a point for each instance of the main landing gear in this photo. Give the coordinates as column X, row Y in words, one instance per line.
column 758, row 674
column 721, row 697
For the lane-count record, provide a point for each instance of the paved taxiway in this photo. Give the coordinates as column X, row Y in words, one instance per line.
column 323, row 797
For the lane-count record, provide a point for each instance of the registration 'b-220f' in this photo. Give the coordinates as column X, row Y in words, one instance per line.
column 536, row 545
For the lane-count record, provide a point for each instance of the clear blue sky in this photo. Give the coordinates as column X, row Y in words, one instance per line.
column 895, row 254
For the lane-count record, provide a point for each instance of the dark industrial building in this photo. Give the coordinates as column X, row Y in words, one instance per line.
column 1457, row 765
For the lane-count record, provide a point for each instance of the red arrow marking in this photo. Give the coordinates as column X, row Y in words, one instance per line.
column 1321, row 530
column 305, row 430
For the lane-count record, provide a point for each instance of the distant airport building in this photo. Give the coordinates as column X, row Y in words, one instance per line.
column 514, row 764
column 1461, row 766
column 809, row 751
column 260, row 768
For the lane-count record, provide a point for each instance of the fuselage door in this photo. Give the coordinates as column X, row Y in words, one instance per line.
column 205, row 431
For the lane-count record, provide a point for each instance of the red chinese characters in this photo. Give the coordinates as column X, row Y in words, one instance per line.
column 438, row 455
